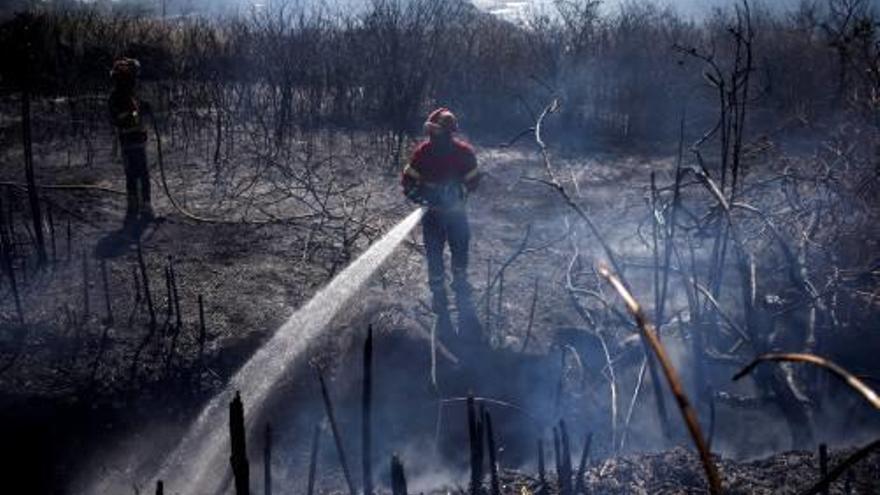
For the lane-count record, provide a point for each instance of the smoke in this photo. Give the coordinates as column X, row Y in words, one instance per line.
column 199, row 461
column 522, row 388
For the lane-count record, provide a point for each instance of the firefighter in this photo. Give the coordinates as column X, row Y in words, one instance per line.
column 127, row 113
column 440, row 175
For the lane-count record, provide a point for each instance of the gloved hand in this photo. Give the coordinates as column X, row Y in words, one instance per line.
column 414, row 194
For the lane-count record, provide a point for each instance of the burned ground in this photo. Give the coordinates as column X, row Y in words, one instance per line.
column 86, row 384
column 733, row 193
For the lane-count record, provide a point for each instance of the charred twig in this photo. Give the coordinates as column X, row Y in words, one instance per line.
column 687, row 411
column 579, row 486
column 493, row 462
column 858, row 385
column 146, row 283
column 313, row 459
column 659, row 304
column 366, row 411
column 169, row 299
column 557, row 458
column 640, row 377
column 670, row 233
column 106, row 285
column 69, row 241
column 499, row 312
column 177, row 323
column 238, row 457
column 609, row 362
column 202, row 331
column 655, row 247
column 267, row 460
column 172, row 301
column 565, row 473
column 50, row 218
column 532, row 307
column 794, row 410
column 102, row 346
column 723, row 314
column 398, row 476
column 838, row 470
column 712, row 422
column 481, row 452
column 85, row 279
column 498, row 277
column 542, row 477
column 135, row 277
column 32, row 192
column 560, row 382
column 337, row 437
column 516, row 138
column 487, row 297
column 6, row 255
column 476, row 446
column 554, row 183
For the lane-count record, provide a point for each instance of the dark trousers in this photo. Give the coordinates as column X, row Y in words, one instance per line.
column 439, row 228
column 137, row 179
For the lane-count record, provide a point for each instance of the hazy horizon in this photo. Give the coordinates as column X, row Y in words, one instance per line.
column 504, row 8
column 688, row 8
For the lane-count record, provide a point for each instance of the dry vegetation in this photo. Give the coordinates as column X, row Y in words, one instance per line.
column 282, row 131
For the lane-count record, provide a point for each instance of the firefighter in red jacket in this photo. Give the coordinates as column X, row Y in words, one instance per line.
column 127, row 115
column 440, row 175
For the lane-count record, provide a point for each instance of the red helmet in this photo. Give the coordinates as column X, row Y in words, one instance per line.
column 125, row 70
column 441, row 120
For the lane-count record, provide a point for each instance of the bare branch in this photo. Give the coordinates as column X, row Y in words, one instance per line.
column 859, row 386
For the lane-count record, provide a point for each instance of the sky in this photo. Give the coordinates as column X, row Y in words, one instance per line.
column 695, row 8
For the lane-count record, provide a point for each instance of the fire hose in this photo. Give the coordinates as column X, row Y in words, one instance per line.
column 160, row 159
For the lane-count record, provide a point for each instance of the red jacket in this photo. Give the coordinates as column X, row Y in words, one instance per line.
column 430, row 166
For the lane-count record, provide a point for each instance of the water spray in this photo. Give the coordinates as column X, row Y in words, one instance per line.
column 200, row 460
